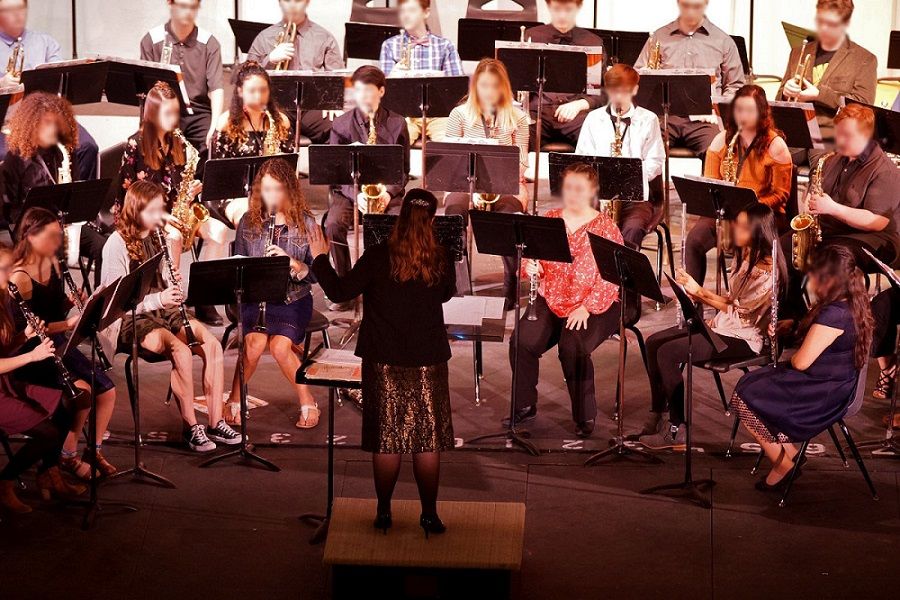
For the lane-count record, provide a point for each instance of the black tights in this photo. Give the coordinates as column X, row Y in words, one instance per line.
column 44, row 443
column 426, row 468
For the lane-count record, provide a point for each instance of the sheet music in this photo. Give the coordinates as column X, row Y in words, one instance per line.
column 886, row 269
column 336, row 365
column 472, row 310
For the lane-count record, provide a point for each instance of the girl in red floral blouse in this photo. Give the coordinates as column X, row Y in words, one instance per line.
column 575, row 307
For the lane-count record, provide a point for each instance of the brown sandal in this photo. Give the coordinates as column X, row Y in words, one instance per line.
column 102, row 465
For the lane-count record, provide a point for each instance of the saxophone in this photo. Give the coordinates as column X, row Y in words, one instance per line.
column 807, row 232
column 654, row 60
column 613, row 208
column 64, row 174
column 730, row 174
column 16, row 63
column 373, row 191
column 189, row 212
column 486, row 201
column 271, row 144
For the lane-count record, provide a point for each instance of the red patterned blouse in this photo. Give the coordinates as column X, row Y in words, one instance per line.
column 566, row 286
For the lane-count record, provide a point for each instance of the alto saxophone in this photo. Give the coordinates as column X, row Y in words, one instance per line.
column 288, row 35
column 405, row 62
column 730, row 174
column 271, row 144
column 186, row 209
column 64, row 173
column 373, row 191
column 807, row 232
column 613, row 208
column 655, row 60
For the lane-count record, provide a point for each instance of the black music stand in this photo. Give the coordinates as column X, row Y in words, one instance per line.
column 128, row 83
column 449, row 231
column 225, row 178
column 476, row 37
column 79, row 82
column 307, row 91
column 128, row 292
column 790, row 118
column 239, row 281
column 632, row 272
column 522, row 236
column 620, row 178
column 4, row 105
column 690, row 488
column 246, row 32
column 364, row 40
column 887, row 127
column 621, row 46
column 540, row 70
column 893, row 60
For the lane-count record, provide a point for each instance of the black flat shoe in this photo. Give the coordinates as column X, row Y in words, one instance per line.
column 383, row 522
column 763, row 486
column 432, row 524
column 584, row 429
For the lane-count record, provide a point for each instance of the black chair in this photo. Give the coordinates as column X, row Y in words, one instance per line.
column 529, row 12
column 148, row 357
column 4, row 442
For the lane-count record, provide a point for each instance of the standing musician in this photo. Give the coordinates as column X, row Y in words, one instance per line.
column 309, row 48
column 368, row 123
column 418, row 50
column 38, row 48
column 36, row 273
column 563, row 114
column 692, row 42
column 199, row 55
column 574, row 307
column 489, row 113
column 160, row 327
column 742, row 321
column 278, row 224
column 253, row 126
column 837, row 68
column 639, row 137
column 156, row 153
column 750, row 153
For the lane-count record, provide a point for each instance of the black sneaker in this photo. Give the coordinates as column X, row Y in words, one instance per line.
column 523, row 415
column 196, row 439
column 671, row 437
column 223, row 434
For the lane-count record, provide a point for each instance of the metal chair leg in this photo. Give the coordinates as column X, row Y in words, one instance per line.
column 734, row 430
column 660, row 246
column 793, row 473
column 859, row 461
column 758, row 462
column 667, row 233
column 721, row 388
column 837, row 444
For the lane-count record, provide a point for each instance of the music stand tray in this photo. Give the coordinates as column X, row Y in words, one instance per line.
column 620, row 178
column 685, row 94
column 76, row 202
column 225, row 178
column 320, row 90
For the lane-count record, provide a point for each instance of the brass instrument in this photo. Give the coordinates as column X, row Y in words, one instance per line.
column 731, row 175
column 613, row 208
column 186, row 209
column 801, row 70
column 405, row 62
column 165, row 53
column 373, row 191
column 807, row 232
column 288, row 35
column 654, row 59
column 68, row 382
column 271, row 144
column 485, row 201
column 523, row 97
column 173, row 280
column 270, row 239
column 16, row 63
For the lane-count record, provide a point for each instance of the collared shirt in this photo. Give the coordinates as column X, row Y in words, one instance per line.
column 390, row 128
column 316, row 49
column 39, row 47
column 548, row 34
column 642, row 139
column 199, row 55
column 433, row 53
column 707, row 48
column 250, row 242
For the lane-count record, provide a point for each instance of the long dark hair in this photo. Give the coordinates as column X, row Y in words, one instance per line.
column 765, row 127
column 32, row 222
column 295, row 209
column 415, row 253
column 840, row 278
column 234, row 129
column 763, row 233
column 151, row 149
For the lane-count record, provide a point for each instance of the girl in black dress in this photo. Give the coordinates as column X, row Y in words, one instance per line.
column 404, row 350
column 793, row 401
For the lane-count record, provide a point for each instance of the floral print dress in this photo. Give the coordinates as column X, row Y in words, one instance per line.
column 134, row 168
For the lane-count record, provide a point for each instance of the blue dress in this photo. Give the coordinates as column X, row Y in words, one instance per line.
column 796, row 405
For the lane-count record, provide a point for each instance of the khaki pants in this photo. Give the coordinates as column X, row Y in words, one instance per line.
column 436, row 129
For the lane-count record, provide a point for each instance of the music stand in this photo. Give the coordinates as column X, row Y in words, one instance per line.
column 88, row 77
column 473, row 168
column 690, row 488
column 887, row 127
column 621, row 178
column 522, row 236
column 717, row 200
column 239, row 281
column 226, row 178
column 307, row 91
column 129, row 81
column 246, row 32
column 893, row 60
column 5, row 99
column 632, row 272
column 476, row 37
column 541, row 70
column 128, row 292
column 364, row 40
column 449, row 231
column 796, row 120
column 622, row 46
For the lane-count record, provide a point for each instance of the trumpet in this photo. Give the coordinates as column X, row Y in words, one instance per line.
column 288, row 35
column 807, row 233
column 270, row 239
column 173, row 280
column 654, row 59
column 16, row 63
column 801, row 70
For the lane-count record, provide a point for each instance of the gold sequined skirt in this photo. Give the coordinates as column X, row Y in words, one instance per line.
column 406, row 409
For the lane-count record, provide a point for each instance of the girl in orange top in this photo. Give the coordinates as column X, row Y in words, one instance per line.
column 763, row 164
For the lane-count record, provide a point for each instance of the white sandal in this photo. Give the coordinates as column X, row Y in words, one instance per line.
column 305, row 414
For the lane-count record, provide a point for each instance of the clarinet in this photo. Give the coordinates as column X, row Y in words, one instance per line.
column 270, row 239
column 531, row 312
column 170, row 266
column 76, row 298
column 68, row 381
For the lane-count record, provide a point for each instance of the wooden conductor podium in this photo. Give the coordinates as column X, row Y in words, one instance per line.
column 476, row 557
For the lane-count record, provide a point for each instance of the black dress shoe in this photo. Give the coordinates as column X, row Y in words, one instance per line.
column 208, row 315
column 383, row 521
column 584, row 429
column 763, row 486
column 522, row 415
column 432, row 524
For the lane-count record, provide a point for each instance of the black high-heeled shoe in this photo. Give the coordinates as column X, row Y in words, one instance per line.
column 383, row 521
column 432, row 524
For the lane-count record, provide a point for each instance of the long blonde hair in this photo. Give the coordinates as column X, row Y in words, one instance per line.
column 507, row 114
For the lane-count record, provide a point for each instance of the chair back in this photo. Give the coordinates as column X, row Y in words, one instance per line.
column 360, row 12
column 529, row 12
column 859, row 393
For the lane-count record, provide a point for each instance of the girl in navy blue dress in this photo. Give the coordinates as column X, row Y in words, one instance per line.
column 797, row 400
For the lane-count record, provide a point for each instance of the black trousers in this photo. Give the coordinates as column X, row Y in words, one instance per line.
column 693, row 135
column 44, row 443
column 886, row 310
column 195, row 127
column 667, row 351
column 339, row 221
column 554, row 131
column 575, row 348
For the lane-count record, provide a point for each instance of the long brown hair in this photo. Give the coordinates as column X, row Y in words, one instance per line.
column 763, row 232
column 295, row 211
column 7, row 325
column 765, row 126
column 507, row 115
column 235, row 129
column 151, row 148
column 415, row 253
column 129, row 226
column 839, row 277
column 24, row 123
column 32, row 222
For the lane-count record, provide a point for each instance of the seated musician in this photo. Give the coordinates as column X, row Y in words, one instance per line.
column 43, row 140
column 575, row 308
column 312, row 49
column 276, row 190
column 368, row 123
column 886, row 311
column 253, row 126
column 797, row 400
column 839, row 68
column 36, row 273
column 760, row 160
column 562, row 114
column 640, row 138
column 742, row 320
column 159, row 326
column 416, row 50
column 857, row 206
column 39, row 48
column 488, row 112
column 157, row 153
column 198, row 53
column 692, row 42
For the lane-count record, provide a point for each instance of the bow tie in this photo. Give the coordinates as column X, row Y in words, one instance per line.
column 422, row 41
column 625, row 120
